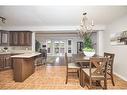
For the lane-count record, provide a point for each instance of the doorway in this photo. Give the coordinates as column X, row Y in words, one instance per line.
column 59, row 47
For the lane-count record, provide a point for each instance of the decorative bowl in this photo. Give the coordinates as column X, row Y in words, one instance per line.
column 90, row 54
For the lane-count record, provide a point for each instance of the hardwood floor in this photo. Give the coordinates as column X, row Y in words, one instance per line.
column 56, row 61
column 50, row 77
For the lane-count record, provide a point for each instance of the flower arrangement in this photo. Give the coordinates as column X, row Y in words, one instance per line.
column 85, row 33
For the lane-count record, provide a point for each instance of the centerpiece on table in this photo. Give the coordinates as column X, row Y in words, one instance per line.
column 88, row 49
column 85, row 33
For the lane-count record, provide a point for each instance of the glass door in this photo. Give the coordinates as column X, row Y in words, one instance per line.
column 62, row 47
column 56, row 48
column 59, row 47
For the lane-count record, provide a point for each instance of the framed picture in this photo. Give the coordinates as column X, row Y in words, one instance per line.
column 119, row 38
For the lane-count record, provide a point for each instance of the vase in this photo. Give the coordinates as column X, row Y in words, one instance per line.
column 89, row 54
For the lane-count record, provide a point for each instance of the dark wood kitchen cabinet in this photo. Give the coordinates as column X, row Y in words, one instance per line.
column 5, row 61
column 28, row 38
column 20, row 38
column 25, row 38
column 14, row 37
column 4, row 38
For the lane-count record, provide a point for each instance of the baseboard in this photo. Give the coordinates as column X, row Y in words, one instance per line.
column 120, row 76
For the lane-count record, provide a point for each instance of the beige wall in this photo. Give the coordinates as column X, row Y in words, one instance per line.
column 120, row 64
column 100, row 40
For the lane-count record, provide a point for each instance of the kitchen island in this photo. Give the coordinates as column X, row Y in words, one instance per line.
column 23, row 65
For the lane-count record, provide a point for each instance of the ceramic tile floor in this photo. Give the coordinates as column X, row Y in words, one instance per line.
column 50, row 78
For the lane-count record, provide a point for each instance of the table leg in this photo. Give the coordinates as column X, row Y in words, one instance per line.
column 81, row 78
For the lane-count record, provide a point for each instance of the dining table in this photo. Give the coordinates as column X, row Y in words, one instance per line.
column 82, row 60
column 80, row 57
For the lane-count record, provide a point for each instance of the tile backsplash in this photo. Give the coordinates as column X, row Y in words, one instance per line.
column 17, row 47
column 21, row 48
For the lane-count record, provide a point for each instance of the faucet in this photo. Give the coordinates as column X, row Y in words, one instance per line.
column 26, row 48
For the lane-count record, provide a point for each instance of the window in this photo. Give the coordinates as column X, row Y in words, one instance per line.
column 69, row 46
column 69, row 42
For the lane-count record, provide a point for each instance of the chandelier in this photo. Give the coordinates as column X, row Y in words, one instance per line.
column 2, row 19
column 86, row 28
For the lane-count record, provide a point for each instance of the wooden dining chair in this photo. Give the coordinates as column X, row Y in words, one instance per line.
column 70, row 67
column 92, row 77
column 110, row 66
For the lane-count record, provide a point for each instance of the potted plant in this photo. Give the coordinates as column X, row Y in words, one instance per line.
column 88, row 49
column 37, row 45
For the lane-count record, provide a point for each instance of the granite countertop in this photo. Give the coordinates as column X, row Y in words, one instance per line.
column 26, row 55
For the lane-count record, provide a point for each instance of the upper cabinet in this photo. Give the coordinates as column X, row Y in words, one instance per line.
column 20, row 38
column 4, row 37
column 14, row 38
column 28, row 38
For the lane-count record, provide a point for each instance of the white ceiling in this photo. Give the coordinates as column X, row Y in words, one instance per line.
column 59, row 15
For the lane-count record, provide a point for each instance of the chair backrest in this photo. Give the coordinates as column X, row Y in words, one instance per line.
column 101, row 66
column 111, row 61
column 43, row 53
column 66, row 60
